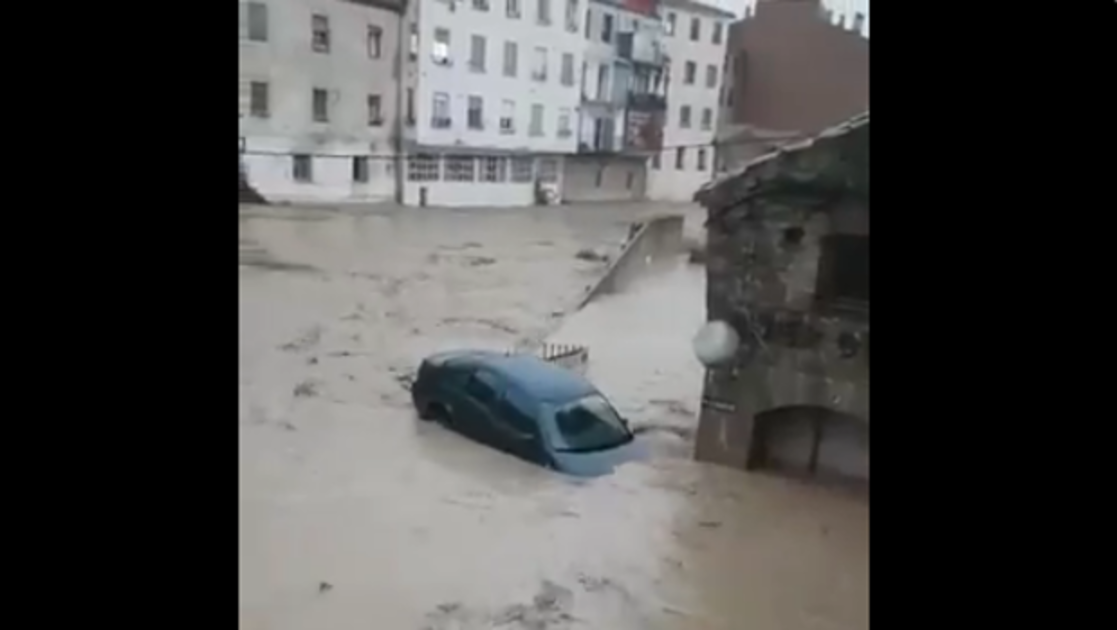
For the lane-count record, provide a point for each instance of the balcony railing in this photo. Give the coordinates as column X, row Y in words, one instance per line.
column 647, row 102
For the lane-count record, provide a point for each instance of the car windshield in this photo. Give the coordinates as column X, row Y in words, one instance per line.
column 588, row 424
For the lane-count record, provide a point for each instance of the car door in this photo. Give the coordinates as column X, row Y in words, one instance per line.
column 474, row 415
column 516, row 427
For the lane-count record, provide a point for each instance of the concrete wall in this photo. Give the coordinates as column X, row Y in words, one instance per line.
column 813, row 442
column 292, row 70
column 654, row 247
column 590, row 179
column 470, row 194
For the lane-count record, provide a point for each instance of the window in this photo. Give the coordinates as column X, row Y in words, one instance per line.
column 477, row 53
column 572, row 16
column 320, row 33
column 602, row 82
column 680, row 158
column 717, row 33
column 440, row 50
column 689, row 70
column 670, row 26
column 711, row 76
column 440, row 111
column 548, row 169
column 475, row 118
column 493, row 169
column 360, row 169
column 375, row 35
column 302, row 167
column 459, row 168
column 564, row 123
column 512, row 9
column 606, row 28
column 522, row 168
column 507, row 116
column 258, row 99
column 375, row 119
column 422, row 168
column 410, row 105
column 655, row 160
column 539, row 67
column 257, row 17
column 684, row 116
column 481, row 388
column 481, row 5
column 413, row 42
column 707, row 119
column 567, row 74
column 701, row 159
column 536, row 126
column 511, row 52
column 589, row 23
column 695, row 29
column 843, row 270
column 543, row 12
column 858, row 21
column 320, row 105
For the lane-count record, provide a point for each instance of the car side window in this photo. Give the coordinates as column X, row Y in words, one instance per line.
column 519, row 412
column 482, row 388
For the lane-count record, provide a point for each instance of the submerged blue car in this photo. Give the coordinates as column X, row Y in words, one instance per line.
column 527, row 407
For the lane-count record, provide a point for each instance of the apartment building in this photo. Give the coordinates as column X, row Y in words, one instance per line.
column 623, row 98
column 695, row 40
column 491, row 99
column 318, row 98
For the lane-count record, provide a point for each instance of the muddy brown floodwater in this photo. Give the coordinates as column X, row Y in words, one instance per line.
column 353, row 515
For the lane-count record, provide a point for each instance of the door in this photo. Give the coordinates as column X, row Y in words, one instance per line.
column 517, row 429
column 475, row 413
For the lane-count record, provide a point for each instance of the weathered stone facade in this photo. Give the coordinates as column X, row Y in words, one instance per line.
column 773, row 271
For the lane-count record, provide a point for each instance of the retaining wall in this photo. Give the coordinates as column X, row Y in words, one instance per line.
column 656, row 245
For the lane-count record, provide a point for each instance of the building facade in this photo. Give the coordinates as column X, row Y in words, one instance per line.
column 788, row 269
column 623, row 102
column 695, row 40
column 794, row 67
column 493, row 89
column 318, row 98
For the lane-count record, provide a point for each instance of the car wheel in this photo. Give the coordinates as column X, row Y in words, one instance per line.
column 434, row 412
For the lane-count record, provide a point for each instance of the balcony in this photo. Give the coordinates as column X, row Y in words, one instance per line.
column 644, row 131
column 642, row 47
column 643, row 102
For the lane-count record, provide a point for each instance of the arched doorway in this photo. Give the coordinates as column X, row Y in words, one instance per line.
column 812, row 442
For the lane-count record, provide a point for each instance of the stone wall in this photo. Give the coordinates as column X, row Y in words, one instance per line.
column 765, row 225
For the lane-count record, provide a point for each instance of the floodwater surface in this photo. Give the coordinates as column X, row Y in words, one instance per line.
column 355, row 515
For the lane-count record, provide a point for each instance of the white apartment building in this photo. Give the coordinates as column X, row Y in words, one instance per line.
column 491, row 99
column 318, row 98
column 695, row 41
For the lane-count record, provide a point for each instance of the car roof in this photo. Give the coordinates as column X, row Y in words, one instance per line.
column 533, row 376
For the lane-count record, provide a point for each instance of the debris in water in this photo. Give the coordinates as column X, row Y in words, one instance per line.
column 304, row 342
column 306, row 389
column 591, row 255
column 312, row 361
column 710, row 524
column 324, row 586
column 479, row 261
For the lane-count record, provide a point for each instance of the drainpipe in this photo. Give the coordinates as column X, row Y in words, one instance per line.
column 402, row 43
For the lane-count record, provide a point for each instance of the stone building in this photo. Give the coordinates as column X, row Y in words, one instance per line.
column 788, row 269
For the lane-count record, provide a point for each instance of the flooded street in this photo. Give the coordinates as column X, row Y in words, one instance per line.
column 354, row 515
